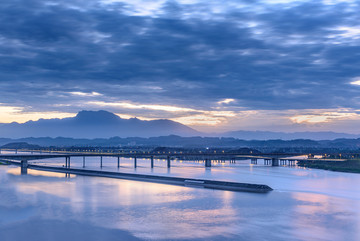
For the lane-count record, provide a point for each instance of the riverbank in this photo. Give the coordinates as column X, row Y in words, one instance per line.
column 352, row 166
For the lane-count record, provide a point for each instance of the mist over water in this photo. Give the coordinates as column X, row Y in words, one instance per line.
column 305, row 204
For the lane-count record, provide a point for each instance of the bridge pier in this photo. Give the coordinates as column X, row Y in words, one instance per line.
column 152, row 161
column 101, row 161
column 24, row 167
column 253, row 161
column 274, row 162
column 118, row 162
column 24, row 163
column 168, row 161
column 267, row 162
column 207, row 162
column 135, row 162
column 83, row 161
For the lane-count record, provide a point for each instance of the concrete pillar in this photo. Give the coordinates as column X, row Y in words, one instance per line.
column 275, row 162
column 83, row 161
column 24, row 163
column 101, row 161
column 207, row 163
column 68, row 162
column 24, row 167
column 168, row 162
column 267, row 161
column 135, row 162
column 152, row 161
column 118, row 162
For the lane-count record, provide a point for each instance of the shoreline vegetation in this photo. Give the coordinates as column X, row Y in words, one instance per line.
column 351, row 166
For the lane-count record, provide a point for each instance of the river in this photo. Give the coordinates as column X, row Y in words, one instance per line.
column 305, row 204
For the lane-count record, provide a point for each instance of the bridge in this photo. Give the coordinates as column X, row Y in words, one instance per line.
column 23, row 161
column 271, row 159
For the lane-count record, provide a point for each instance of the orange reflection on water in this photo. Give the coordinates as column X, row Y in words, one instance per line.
column 17, row 172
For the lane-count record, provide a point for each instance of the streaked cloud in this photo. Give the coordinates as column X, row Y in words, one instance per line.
column 92, row 94
column 128, row 105
column 10, row 114
column 356, row 81
column 187, row 116
column 323, row 117
column 225, row 101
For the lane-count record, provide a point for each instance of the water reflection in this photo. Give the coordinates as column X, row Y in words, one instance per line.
column 320, row 213
column 152, row 211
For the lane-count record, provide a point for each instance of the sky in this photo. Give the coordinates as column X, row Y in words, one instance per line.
column 276, row 65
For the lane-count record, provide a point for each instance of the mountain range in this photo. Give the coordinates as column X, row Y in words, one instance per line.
column 269, row 135
column 187, row 143
column 103, row 124
column 94, row 124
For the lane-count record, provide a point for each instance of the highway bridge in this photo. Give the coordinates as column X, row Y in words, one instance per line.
column 24, row 160
column 273, row 159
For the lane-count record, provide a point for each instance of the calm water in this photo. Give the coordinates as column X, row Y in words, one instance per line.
column 305, row 205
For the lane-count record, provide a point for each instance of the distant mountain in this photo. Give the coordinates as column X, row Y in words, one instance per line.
column 178, row 143
column 268, row 135
column 103, row 124
column 94, row 124
column 20, row 145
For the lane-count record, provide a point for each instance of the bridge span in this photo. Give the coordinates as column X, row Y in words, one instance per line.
column 23, row 162
column 272, row 159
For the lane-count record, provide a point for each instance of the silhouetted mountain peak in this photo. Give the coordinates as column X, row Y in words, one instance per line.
column 95, row 124
column 92, row 117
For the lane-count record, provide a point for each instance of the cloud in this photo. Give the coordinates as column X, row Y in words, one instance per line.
column 322, row 117
column 225, row 101
column 187, row 55
column 355, row 81
column 10, row 114
column 92, row 94
column 187, row 116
